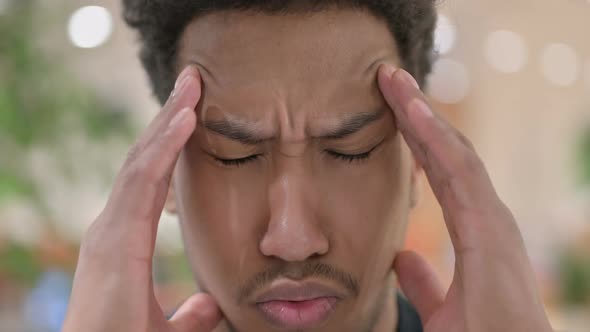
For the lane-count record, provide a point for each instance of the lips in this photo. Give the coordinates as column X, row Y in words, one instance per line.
column 295, row 306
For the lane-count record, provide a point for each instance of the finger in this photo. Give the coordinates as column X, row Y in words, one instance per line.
column 153, row 156
column 199, row 313
column 419, row 283
column 182, row 96
column 139, row 193
column 455, row 172
column 438, row 145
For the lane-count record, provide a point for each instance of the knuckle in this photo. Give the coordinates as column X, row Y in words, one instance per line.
column 90, row 244
column 424, row 150
column 164, row 138
column 469, row 163
column 137, row 171
column 133, row 153
column 464, row 139
column 487, row 227
column 468, row 143
column 451, row 188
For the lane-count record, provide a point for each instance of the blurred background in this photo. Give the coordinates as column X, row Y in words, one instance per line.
column 513, row 75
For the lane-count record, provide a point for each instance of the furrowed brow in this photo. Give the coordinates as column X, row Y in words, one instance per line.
column 236, row 131
column 353, row 124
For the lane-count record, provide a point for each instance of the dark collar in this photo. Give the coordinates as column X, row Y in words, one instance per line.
column 408, row 319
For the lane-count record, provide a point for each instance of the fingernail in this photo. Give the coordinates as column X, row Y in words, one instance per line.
column 179, row 118
column 407, row 78
column 388, row 70
column 181, row 85
column 180, row 81
column 183, row 75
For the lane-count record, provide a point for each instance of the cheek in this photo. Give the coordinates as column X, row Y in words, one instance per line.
column 219, row 211
column 368, row 207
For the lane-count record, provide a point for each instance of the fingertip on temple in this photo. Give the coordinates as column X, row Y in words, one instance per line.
column 388, row 70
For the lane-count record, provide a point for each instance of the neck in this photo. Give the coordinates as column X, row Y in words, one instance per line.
column 388, row 314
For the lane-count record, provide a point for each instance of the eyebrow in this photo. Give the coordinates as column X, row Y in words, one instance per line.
column 353, row 124
column 236, row 130
column 248, row 135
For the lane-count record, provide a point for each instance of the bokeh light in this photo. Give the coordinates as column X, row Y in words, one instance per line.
column 90, row 26
column 445, row 35
column 449, row 82
column 506, row 51
column 560, row 64
column 4, row 6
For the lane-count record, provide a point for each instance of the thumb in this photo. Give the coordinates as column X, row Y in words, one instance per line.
column 199, row 313
column 419, row 283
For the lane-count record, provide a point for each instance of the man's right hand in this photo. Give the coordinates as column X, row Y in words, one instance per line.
column 113, row 288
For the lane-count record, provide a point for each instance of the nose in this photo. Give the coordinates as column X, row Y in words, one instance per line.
column 293, row 232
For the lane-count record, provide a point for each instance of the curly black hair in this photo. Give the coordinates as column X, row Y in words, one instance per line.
column 160, row 24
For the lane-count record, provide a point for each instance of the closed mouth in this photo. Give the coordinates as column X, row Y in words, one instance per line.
column 295, row 306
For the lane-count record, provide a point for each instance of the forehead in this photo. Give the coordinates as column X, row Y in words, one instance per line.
column 320, row 42
column 330, row 56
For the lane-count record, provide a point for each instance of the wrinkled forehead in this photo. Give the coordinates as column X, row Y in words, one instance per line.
column 324, row 61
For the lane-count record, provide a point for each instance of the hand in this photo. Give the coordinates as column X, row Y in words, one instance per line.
column 493, row 288
column 113, row 287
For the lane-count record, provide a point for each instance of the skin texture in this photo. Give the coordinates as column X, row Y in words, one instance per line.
column 236, row 221
column 295, row 205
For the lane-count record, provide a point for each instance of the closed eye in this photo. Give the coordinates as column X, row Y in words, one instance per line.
column 336, row 155
column 237, row 162
column 351, row 157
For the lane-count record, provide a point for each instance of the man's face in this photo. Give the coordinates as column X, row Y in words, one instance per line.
column 294, row 191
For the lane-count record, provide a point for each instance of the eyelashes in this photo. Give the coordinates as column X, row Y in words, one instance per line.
column 237, row 162
column 347, row 158
column 350, row 158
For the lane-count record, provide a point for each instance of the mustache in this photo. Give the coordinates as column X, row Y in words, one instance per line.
column 299, row 271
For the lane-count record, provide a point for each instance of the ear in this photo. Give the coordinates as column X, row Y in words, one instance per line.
column 170, row 205
column 415, row 183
